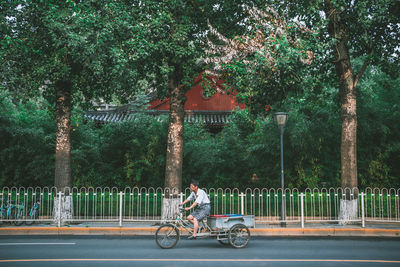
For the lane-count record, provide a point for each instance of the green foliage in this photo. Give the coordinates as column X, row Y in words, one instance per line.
column 372, row 26
column 379, row 129
column 348, row 30
column 276, row 56
column 131, row 153
column 214, row 160
column 109, row 49
column 86, row 43
column 27, row 137
column 246, row 153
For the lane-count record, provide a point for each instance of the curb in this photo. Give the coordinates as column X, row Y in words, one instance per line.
column 135, row 231
column 343, row 232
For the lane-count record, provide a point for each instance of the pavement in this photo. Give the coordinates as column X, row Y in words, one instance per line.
column 149, row 228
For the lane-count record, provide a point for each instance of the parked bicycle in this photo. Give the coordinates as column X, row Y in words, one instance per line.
column 16, row 213
column 227, row 229
column 10, row 213
column 3, row 210
column 33, row 213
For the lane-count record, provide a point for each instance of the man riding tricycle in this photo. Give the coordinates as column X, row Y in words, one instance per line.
column 228, row 229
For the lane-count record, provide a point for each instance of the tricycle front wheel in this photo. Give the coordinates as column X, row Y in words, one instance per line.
column 224, row 242
column 239, row 235
column 167, row 235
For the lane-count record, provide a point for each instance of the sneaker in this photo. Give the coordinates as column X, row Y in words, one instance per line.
column 192, row 237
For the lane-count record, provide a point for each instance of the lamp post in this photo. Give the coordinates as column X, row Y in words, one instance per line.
column 281, row 119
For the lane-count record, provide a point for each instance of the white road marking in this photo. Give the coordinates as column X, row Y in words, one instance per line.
column 24, row 244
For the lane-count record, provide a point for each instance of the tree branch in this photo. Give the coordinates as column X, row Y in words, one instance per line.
column 365, row 65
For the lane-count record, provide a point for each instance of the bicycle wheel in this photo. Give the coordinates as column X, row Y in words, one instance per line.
column 32, row 217
column 225, row 239
column 17, row 217
column 17, row 221
column 167, row 235
column 11, row 215
column 239, row 236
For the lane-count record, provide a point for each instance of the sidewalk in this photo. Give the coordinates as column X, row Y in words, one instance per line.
column 149, row 228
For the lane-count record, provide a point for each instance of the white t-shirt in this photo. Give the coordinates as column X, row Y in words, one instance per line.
column 201, row 197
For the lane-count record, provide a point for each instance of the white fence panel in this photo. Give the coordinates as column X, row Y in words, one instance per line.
column 145, row 204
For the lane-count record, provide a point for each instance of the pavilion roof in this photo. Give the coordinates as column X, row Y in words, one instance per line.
column 191, row 116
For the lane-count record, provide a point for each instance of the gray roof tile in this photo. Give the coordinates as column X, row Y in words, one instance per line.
column 206, row 117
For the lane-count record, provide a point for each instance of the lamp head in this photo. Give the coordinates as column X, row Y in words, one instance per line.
column 281, row 119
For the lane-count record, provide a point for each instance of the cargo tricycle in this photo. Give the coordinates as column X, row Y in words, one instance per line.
column 228, row 229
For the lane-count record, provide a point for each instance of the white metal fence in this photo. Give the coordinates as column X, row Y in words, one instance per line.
column 145, row 204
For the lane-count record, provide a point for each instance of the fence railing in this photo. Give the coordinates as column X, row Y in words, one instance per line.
column 146, row 204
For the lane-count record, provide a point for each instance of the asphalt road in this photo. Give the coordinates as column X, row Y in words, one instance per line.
column 143, row 251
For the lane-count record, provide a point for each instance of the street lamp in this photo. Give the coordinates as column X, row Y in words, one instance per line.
column 281, row 119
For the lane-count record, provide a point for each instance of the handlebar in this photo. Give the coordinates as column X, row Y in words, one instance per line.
column 181, row 209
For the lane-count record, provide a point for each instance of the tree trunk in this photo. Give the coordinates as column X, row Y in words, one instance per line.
column 174, row 157
column 63, row 211
column 63, row 181
column 348, row 94
column 63, row 136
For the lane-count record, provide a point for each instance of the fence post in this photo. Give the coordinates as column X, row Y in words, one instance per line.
column 362, row 211
column 120, row 209
column 242, row 203
column 181, row 197
column 302, row 209
column 59, row 209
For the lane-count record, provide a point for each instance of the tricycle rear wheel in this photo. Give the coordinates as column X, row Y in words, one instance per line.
column 239, row 235
column 167, row 235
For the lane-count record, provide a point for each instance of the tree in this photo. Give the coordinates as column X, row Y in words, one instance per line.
column 70, row 52
column 169, row 50
column 171, row 46
column 347, row 29
column 355, row 29
column 371, row 30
